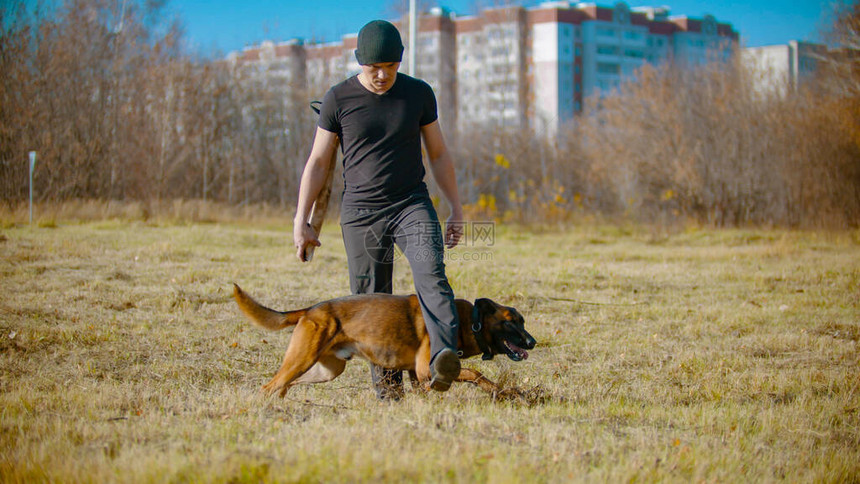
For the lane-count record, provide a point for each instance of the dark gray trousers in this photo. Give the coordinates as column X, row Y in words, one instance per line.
column 370, row 235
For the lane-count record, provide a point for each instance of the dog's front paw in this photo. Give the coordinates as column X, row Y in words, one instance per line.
column 530, row 396
column 511, row 394
column 272, row 388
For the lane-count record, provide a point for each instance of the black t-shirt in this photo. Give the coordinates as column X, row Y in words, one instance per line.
column 380, row 135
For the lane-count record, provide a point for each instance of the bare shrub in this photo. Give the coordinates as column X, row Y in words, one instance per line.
column 116, row 111
column 705, row 145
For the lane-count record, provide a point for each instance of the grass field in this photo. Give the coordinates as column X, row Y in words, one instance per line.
column 716, row 356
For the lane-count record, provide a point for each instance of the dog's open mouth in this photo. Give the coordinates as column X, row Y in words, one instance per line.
column 515, row 352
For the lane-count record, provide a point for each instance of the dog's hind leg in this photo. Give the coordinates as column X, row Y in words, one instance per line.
column 303, row 352
column 415, row 381
column 326, row 369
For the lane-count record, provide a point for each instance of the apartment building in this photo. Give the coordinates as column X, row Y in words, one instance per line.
column 326, row 64
column 492, row 77
column 436, row 62
column 278, row 65
column 527, row 67
column 579, row 50
column 781, row 69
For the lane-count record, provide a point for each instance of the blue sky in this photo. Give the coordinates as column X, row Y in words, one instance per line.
column 228, row 25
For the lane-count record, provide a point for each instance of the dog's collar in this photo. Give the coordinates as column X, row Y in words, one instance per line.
column 477, row 332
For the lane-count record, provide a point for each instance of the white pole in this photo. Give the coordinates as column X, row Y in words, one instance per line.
column 413, row 27
column 32, row 168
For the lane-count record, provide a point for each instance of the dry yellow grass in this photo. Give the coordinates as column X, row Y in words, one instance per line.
column 704, row 355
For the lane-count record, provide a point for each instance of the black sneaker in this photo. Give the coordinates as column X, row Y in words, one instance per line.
column 444, row 369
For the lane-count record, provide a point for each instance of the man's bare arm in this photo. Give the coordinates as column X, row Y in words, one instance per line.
column 442, row 166
column 313, row 178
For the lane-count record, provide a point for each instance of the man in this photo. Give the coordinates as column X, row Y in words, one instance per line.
column 379, row 117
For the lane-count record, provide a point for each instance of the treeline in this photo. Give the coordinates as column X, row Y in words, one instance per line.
column 712, row 146
column 677, row 145
column 117, row 110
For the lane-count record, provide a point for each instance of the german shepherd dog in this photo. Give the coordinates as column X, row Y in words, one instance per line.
column 386, row 330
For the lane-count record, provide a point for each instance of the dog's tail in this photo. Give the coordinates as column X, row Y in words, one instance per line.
column 262, row 316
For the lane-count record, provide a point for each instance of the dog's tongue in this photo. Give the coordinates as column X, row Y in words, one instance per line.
column 519, row 351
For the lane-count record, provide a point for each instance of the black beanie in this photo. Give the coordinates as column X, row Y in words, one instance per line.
column 378, row 42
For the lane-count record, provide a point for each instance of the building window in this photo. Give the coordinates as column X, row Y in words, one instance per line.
column 607, row 68
column 606, row 32
column 634, row 54
column 497, row 51
column 632, row 35
column 607, row 50
column 807, row 64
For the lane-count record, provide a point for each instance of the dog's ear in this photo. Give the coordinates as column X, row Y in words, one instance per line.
column 486, row 306
column 516, row 316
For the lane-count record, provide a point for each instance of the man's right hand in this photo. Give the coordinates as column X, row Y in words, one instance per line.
column 303, row 238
